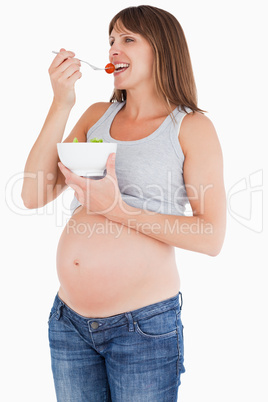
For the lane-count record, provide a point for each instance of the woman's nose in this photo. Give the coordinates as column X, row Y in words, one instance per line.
column 114, row 51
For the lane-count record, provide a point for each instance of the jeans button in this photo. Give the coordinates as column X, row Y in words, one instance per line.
column 94, row 325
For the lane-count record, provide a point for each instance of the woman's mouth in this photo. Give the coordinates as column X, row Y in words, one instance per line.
column 120, row 68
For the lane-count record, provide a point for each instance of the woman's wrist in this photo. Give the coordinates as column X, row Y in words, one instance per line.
column 61, row 107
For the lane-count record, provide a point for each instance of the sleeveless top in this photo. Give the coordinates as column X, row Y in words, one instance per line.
column 150, row 170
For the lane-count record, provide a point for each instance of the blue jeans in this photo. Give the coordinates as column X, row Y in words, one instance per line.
column 135, row 356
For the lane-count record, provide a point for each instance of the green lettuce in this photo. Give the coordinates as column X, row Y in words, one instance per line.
column 96, row 140
column 92, row 140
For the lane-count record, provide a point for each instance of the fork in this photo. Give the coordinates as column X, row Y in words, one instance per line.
column 94, row 67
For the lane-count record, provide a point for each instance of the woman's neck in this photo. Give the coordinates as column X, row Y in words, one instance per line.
column 145, row 106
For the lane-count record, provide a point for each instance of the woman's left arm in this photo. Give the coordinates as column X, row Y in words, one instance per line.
column 203, row 176
column 203, row 232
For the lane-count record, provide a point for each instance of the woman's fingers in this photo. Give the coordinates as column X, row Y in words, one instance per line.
column 74, row 77
column 64, row 71
column 61, row 56
column 67, row 63
column 62, row 60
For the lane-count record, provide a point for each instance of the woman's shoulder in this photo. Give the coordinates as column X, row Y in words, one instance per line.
column 99, row 108
column 194, row 119
column 196, row 129
column 94, row 112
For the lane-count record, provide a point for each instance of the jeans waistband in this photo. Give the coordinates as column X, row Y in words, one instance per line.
column 122, row 318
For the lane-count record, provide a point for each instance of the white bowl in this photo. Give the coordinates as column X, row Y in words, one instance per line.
column 85, row 158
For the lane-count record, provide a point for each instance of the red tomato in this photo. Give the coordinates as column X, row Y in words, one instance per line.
column 109, row 68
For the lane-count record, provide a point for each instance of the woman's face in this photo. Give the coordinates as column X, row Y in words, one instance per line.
column 135, row 51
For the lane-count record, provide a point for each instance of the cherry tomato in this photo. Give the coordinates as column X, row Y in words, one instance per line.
column 109, row 68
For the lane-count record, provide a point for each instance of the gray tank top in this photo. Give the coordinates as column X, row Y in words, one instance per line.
column 150, row 170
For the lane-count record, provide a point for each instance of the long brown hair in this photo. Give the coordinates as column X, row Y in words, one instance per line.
column 172, row 71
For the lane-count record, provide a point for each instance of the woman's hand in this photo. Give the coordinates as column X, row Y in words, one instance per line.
column 98, row 196
column 64, row 72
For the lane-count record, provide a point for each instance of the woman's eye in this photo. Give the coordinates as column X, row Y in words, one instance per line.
column 128, row 40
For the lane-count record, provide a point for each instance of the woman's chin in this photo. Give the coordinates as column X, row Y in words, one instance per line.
column 119, row 88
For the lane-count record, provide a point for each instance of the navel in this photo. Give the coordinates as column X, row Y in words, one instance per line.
column 76, row 262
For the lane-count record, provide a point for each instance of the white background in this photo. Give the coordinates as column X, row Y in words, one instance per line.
column 225, row 297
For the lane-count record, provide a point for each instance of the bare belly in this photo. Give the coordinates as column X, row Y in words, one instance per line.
column 106, row 268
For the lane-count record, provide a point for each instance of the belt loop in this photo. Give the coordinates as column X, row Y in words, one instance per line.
column 130, row 322
column 58, row 315
column 181, row 301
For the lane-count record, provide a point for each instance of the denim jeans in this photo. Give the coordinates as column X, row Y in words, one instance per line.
column 135, row 356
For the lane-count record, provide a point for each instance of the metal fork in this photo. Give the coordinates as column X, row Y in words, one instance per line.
column 90, row 65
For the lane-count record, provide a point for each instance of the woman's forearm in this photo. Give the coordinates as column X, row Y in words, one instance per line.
column 193, row 233
column 40, row 172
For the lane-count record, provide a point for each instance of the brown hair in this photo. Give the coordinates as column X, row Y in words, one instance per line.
column 173, row 73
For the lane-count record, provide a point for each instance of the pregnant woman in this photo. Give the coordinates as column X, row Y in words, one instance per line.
column 115, row 329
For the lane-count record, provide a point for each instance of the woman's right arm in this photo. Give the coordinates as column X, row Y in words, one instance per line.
column 41, row 171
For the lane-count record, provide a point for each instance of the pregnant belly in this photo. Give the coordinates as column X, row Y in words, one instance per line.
column 106, row 268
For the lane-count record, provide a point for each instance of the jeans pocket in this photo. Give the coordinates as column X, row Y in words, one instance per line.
column 180, row 329
column 52, row 314
column 159, row 326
